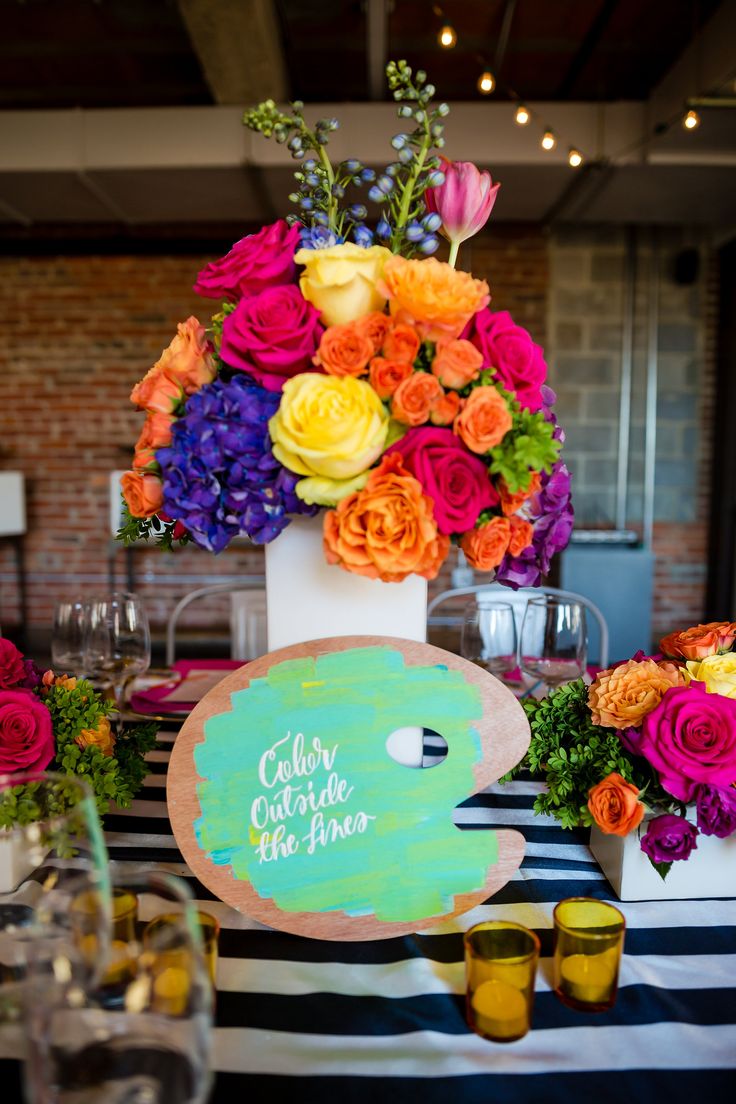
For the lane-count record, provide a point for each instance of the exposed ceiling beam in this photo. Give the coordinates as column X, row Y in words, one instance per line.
column 239, row 48
column 587, row 47
column 705, row 66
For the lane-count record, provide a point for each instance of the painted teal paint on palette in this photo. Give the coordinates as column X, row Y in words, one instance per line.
column 301, row 799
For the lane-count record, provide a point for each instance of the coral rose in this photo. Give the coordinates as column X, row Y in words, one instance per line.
column 12, row 668
column 437, row 299
column 386, row 375
column 188, row 358
column 484, row 419
column 510, row 503
column 486, row 546
column 446, row 409
column 386, row 531
column 344, row 350
column 614, row 805
column 375, row 327
column 718, row 672
column 342, row 281
column 414, row 398
column 26, row 732
column 272, row 337
column 522, row 534
column 143, row 493
column 100, row 737
column 157, row 392
column 156, row 433
column 456, row 363
column 700, row 641
column 254, row 263
column 622, row 696
column 402, row 343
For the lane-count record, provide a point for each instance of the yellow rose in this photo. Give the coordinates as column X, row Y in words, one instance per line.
column 332, row 426
column 341, row 281
column 319, row 491
column 718, row 672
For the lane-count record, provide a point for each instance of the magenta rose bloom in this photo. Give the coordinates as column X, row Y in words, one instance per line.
column 12, row 667
column 690, row 738
column 272, row 337
column 456, row 481
column 260, row 261
column 716, row 810
column 669, row 838
column 26, row 734
column 518, row 361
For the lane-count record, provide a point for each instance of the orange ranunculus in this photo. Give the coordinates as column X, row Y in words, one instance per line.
column 522, row 532
column 387, row 530
column 157, row 392
column 487, row 545
column 622, row 696
column 401, row 343
column 188, row 358
column 156, row 433
column 386, row 375
column 446, row 409
column 143, row 493
column 614, row 805
column 344, row 351
column 456, row 363
column 374, row 326
column 510, row 503
column 484, row 420
column 437, row 299
column 700, row 641
column 100, row 737
column 414, row 398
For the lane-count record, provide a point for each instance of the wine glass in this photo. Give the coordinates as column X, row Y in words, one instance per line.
column 117, row 643
column 68, row 636
column 554, row 641
column 489, row 637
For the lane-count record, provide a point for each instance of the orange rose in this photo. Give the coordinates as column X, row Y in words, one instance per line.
column 401, row 343
column 100, row 737
column 446, row 409
column 374, row 326
column 522, row 532
column 344, row 351
column 386, row 375
column 456, row 363
column 188, row 359
column 387, row 530
column 431, row 295
column 143, row 493
column 484, row 419
column 157, row 392
column 622, row 696
column 486, row 546
column 614, row 805
column 414, row 398
column 510, row 503
column 68, row 682
column 156, row 433
column 700, row 641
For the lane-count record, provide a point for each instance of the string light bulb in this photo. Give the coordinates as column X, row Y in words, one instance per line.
column 574, row 158
column 691, row 121
column 486, row 82
column 548, row 140
column 447, row 36
column 522, row 115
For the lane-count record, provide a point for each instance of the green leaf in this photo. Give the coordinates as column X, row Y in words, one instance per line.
column 662, row 869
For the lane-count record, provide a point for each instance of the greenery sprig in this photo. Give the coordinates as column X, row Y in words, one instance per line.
column 135, row 529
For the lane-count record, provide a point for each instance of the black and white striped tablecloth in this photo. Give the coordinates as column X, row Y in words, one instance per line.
column 307, row 1020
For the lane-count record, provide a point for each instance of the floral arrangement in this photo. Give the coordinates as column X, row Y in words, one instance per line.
column 347, row 370
column 55, row 722
column 649, row 747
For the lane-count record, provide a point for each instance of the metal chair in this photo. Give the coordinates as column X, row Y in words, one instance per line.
column 247, row 616
column 518, row 599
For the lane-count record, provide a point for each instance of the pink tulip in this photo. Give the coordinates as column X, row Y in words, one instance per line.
column 464, row 202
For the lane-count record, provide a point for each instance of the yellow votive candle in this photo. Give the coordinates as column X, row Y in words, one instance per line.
column 500, row 1011
column 171, row 990
column 589, row 979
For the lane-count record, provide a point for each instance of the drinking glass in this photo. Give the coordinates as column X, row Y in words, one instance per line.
column 553, row 644
column 489, row 637
column 117, row 643
column 141, row 1033
column 68, row 636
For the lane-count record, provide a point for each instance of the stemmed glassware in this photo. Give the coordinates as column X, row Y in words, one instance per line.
column 68, row 636
column 553, row 643
column 117, row 642
column 489, row 637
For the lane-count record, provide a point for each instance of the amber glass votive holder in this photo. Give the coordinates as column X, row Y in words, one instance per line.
column 500, row 967
column 169, row 957
column 589, row 940
column 87, row 912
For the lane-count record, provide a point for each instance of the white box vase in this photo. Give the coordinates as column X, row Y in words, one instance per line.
column 15, row 861
column 709, row 872
column 308, row 599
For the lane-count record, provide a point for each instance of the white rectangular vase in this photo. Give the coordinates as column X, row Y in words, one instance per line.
column 15, row 864
column 308, row 599
column 709, row 872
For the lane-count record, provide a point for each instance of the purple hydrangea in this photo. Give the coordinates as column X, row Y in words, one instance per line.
column 716, row 810
column 552, row 518
column 220, row 476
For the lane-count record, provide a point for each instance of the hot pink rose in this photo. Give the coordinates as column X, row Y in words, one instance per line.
column 26, row 734
column 12, row 670
column 456, row 481
column 519, row 363
column 690, row 738
column 272, row 337
column 260, row 261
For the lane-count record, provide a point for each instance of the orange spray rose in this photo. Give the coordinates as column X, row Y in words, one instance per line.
column 456, row 363
column 484, row 420
column 143, row 493
column 344, row 350
column 614, row 805
column 700, row 641
column 386, row 375
column 486, row 546
column 414, row 398
column 402, row 343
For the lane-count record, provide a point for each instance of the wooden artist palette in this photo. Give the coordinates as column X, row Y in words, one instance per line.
column 286, row 803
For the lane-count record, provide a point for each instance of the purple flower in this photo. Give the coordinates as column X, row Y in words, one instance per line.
column 33, row 675
column 220, row 476
column 552, row 519
column 669, row 838
column 716, row 810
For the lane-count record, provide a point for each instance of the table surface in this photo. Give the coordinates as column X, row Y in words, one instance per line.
column 386, row 1018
